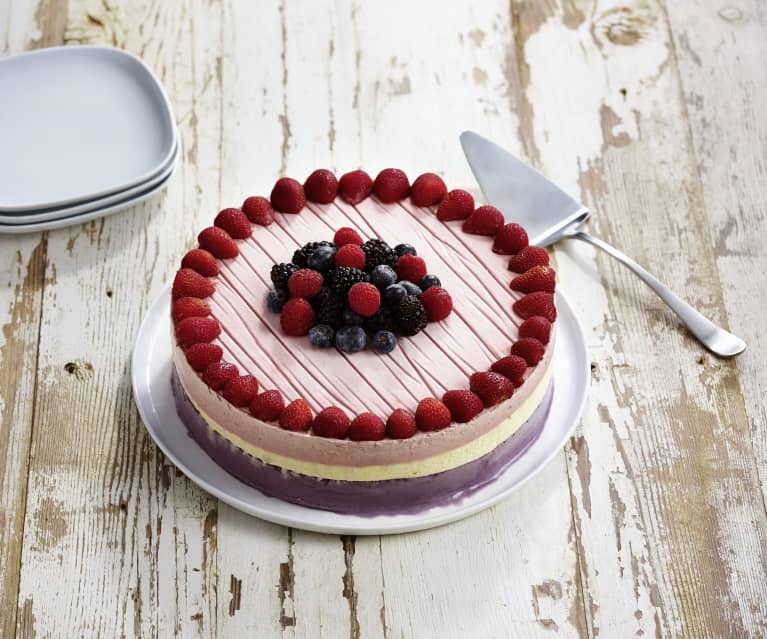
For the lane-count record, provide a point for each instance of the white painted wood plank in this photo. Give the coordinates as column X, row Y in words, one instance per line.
column 659, row 471
column 116, row 541
column 721, row 52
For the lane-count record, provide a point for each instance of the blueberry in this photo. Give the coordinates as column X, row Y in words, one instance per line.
column 384, row 341
column 321, row 335
column 430, row 280
column 411, row 288
column 404, row 249
column 382, row 276
column 322, row 259
column 351, row 339
column 276, row 299
column 394, row 294
column 350, row 318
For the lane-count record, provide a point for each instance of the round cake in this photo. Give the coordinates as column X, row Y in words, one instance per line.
column 364, row 346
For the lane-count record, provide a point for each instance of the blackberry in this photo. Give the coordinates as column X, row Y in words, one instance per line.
column 381, row 320
column 302, row 255
column 280, row 274
column 342, row 278
column 329, row 307
column 410, row 316
column 378, row 252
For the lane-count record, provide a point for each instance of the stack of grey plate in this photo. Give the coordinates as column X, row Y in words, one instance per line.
column 86, row 131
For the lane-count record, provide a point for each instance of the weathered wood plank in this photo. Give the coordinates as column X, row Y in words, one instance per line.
column 116, row 541
column 660, row 472
column 22, row 273
column 721, row 53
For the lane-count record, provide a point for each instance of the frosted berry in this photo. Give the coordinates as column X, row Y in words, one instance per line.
column 267, row 406
column 276, row 299
column 201, row 261
column 411, row 268
column 321, row 186
column 288, row 196
column 331, row 422
column 367, row 427
column 297, row 317
column 355, row 186
column 364, row 299
column 258, row 210
column 384, row 342
column 218, row 242
column 234, row 222
column 428, row 190
column 321, row 335
column 351, row 339
column 391, row 185
column 401, row 424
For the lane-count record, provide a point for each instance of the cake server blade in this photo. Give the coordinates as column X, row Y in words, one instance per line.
column 549, row 214
column 521, row 193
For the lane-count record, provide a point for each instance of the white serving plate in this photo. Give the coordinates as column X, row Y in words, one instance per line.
column 79, row 123
column 87, row 216
column 151, row 375
column 45, row 215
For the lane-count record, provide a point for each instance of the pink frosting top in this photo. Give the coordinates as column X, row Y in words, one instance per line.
column 479, row 331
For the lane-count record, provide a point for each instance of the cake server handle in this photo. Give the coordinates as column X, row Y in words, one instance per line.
column 713, row 337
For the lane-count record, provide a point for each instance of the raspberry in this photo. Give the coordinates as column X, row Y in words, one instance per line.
column 296, row 416
column 305, row 283
column 355, row 186
column 538, row 278
column 259, row 210
column 511, row 366
column 218, row 242
column 437, row 302
column 189, row 307
column 537, row 327
column 367, row 427
column 428, row 190
column 491, row 387
column 411, row 268
column 539, row 303
column 391, row 185
column 527, row 258
column 297, row 317
column 401, row 424
column 346, row 235
column 432, row 414
column 486, row 220
column 463, row 405
column 201, row 355
column 331, row 422
column 193, row 330
column 510, row 239
column 350, row 255
column 234, row 222
column 201, row 261
column 189, row 283
column 240, row 390
column 267, row 406
column 364, row 299
column 529, row 349
column 456, row 205
column 321, row 186
column 287, row 196
column 216, row 375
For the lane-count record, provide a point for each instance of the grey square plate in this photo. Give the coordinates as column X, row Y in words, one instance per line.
column 79, row 123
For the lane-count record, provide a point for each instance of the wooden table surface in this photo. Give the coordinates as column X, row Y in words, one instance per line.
column 651, row 522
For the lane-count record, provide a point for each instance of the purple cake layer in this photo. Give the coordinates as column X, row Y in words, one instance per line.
column 386, row 497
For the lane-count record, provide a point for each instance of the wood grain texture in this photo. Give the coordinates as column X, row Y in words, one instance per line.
column 652, row 492
column 652, row 521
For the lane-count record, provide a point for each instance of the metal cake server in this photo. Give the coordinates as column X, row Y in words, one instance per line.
column 549, row 215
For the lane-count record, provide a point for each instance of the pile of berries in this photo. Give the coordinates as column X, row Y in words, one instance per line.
column 351, row 293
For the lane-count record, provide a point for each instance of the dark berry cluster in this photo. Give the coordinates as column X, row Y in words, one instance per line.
column 351, row 294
